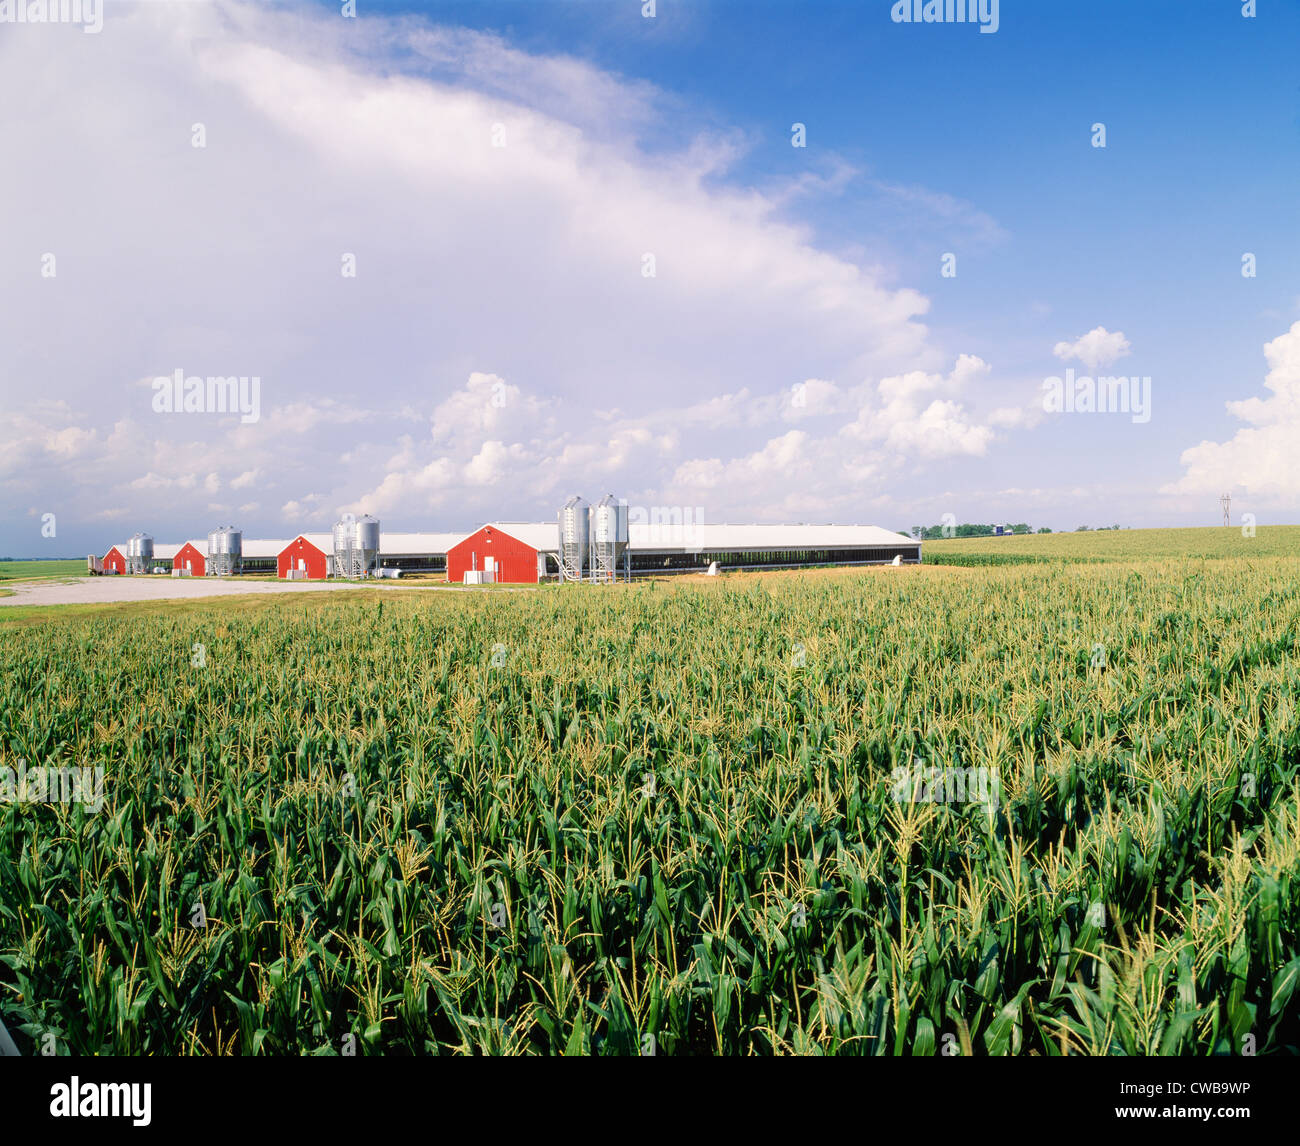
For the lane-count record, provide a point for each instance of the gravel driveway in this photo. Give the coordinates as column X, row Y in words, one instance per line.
column 103, row 590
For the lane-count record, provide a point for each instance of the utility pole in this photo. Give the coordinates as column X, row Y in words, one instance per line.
column 1226, row 502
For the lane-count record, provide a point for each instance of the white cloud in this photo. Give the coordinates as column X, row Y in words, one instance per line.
column 70, row 441
column 1263, row 459
column 813, row 398
column 375, row 137
column 303, row 417
column 780, row 459
column 307, row 507
column 1099, row 347
column 918, row 415
column 493, row 462
column 488, row 404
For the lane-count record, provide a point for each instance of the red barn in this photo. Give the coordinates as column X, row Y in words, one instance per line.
column 115, row 559
column 189, row 557
column 306, row 553
column 513, row 551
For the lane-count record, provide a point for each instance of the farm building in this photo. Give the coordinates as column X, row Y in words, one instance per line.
column 309, row 553
column 406, row 552
column 262, row 556
column 416, row 552
column 586, row 542
column 518, row 551
column 687, row 548
column 190, row 558
column 188, row 555
column 164, row 557
column 510, row 551
column 307, row 557
column 312, row 553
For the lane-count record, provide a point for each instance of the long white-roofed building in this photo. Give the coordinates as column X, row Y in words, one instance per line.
column 261, row 554
column 416, row 552
column 686, row 547
column 682, row 547
column 533, row 550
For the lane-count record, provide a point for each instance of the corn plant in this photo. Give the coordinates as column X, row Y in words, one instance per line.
column 1047, row 808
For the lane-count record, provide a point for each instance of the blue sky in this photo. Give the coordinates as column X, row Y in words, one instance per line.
column 501, row 345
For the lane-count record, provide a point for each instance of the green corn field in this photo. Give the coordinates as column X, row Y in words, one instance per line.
column 667, row 818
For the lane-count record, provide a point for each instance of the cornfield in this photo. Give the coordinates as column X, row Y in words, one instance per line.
column 666, row 818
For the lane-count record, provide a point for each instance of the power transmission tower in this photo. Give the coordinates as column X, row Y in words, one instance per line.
column 1226, row 502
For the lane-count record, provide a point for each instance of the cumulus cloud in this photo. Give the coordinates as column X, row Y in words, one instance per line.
column 488, row 404
column 1099, row 347
column 918, row 414
column 307, row 507
column 499, row 344
column 782, row 457
column 1263, row 458
column 856, row 437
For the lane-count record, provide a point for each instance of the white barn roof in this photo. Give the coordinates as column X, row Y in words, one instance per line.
column 323, row 541
column 263, row 547
column 642, row 537
column 390, row 544
column 166, row 551
column 656, row 537
column 544, row 536
column 417, row 544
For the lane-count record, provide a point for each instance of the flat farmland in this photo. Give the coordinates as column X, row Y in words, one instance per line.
column 1208, row 544
column 27, row 570
column 1035, row 809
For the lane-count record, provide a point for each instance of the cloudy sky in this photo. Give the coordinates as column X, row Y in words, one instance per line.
column 481, row 256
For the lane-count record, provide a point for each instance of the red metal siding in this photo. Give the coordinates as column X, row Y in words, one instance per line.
column 188, row 553
column 515, row 561
column 115, row 560
column 300, row 549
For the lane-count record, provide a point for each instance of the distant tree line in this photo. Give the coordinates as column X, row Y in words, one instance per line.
column 935, row 532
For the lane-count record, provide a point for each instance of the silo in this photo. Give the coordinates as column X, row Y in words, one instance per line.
column 343, row 544
column 368, row 542
column 608, row 538
column 575, row 532
column 225, row 551
column 139, row 552
column 356, row 546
